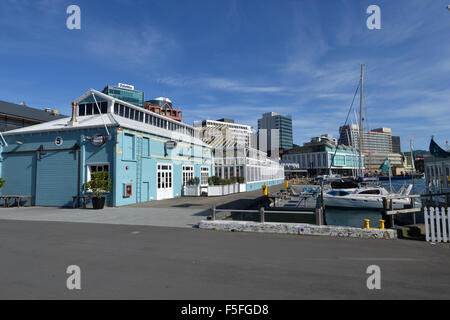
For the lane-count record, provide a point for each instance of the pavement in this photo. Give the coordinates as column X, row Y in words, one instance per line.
column 231, row 201
column 164, row 217
column 146, row 262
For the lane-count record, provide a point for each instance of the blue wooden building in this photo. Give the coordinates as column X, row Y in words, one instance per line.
column 148, row 156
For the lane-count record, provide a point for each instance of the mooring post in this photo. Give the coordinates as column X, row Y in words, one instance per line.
column 261, row 214
column 213, row 215
column 319, row 212
column 413, row 206
column 384, row 215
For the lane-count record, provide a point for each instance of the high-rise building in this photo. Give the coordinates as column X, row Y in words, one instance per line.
column 126, row 93
column 377, row 145
column 274, row 133
column 396, row 146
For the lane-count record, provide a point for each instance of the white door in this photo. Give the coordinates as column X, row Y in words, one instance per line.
column 164, row 180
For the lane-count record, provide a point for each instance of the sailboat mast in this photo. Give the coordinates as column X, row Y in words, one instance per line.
column 412, row 156
column 361, row 128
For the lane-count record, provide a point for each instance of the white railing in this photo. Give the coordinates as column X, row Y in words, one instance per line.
column 437, row 224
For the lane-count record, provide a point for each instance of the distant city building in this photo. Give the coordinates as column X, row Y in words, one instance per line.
column 163, row 106
column 377, row 145
column 318, row 155
column 15, row 116
column 274, row 133
column 226, row 133
column 126, row 93
column 396, row 146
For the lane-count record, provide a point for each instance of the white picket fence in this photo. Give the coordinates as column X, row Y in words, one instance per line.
column 437, row 224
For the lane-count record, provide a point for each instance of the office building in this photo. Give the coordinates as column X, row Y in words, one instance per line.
column 226, row 133
column 377, row 145
column 15, row 116
column 126, row 92
column 396, row 145
column 321, row 154
column 274, row 133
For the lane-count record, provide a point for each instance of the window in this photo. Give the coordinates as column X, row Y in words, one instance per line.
column 82, row 110
column 204, row 176
column 104, row 107
column 96, row 167
column 374, row 191
column 96, row 106
column 188, row 174
column 88, row 109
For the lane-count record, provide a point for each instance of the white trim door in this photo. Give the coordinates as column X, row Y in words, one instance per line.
column 164, row 181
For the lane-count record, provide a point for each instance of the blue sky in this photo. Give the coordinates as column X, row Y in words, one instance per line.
column 239, row 59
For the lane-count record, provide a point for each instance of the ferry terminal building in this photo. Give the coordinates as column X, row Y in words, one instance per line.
column 148, row 156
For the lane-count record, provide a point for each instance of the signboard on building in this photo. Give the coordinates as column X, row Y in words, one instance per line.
column 126, row 86
column 98, row 139
column 169, row 145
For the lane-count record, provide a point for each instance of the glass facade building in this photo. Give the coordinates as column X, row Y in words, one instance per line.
column 131, row 96
column 271, row 125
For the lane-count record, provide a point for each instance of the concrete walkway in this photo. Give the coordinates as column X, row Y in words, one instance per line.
column 231, row 201
column 167, row 217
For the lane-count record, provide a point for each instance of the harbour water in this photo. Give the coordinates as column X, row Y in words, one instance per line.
column 355, row 217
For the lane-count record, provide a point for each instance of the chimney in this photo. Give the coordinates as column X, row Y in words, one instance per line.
column 47, row 110
column 55, row 112
column 73, row 120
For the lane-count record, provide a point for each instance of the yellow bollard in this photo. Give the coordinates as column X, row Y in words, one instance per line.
column 381, row 224
column 286, row 184
column 264, row 190
column 366, row 224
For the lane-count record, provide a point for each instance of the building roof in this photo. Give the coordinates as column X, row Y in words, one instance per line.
column 25, row 112
column 108, row 119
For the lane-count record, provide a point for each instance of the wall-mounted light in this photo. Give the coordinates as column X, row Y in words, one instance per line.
column 19, row 142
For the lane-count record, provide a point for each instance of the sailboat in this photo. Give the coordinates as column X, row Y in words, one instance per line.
column 364, row 196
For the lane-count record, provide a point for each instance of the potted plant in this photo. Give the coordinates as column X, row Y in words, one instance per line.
column 100, row 183
column 2, row 183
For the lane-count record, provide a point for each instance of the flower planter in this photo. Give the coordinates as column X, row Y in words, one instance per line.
column 98, row 202
column 191, row 191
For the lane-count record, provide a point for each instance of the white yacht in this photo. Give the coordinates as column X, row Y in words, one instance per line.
column 365, row 198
